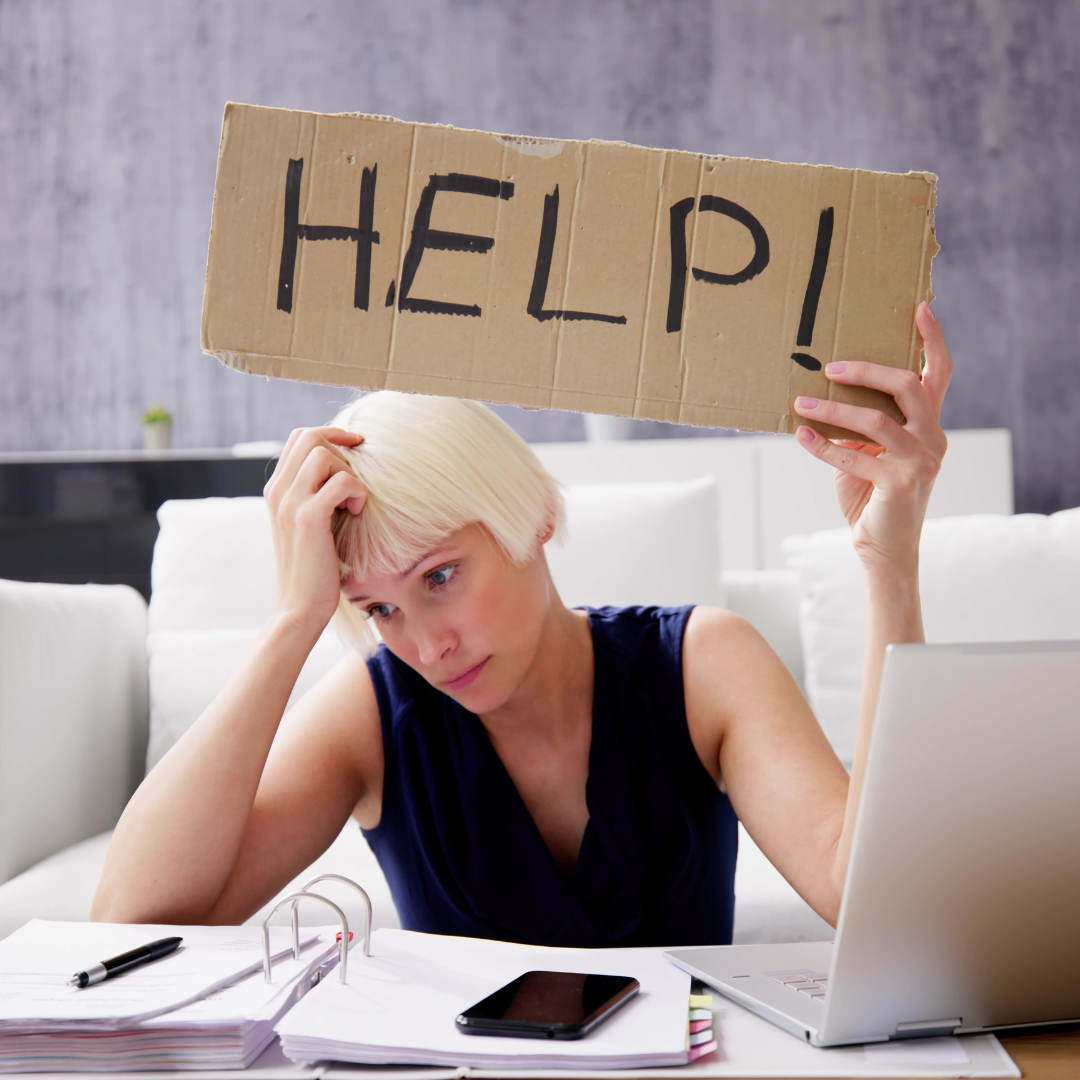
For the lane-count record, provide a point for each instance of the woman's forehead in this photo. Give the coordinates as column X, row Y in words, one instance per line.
column 472, row 538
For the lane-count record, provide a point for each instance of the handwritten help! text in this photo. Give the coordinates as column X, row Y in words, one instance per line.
column 424, row 238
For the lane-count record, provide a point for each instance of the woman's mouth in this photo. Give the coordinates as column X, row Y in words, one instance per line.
column 467, row 678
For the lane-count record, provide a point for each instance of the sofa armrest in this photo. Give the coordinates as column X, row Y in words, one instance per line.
column 73, row 712
column 61, row 887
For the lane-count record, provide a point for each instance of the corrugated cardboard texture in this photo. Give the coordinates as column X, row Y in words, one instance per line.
column 599, row 277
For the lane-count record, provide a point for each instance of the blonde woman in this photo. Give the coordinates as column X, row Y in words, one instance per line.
column 522, row 770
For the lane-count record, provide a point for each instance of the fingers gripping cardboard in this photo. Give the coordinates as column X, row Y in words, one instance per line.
column 600, row 277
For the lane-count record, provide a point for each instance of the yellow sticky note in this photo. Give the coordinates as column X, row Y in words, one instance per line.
column 701, row 1001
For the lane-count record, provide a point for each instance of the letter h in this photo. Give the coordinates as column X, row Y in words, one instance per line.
column 363, row 235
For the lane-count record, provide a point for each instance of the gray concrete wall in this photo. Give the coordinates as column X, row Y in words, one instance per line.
column 110, row 114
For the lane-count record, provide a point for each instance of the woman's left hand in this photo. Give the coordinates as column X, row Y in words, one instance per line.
column 883, row 489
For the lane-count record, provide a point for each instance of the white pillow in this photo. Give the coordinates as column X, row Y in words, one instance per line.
column 769, row 600
column 652, row 543
column 62, row 886
column 213, row 565
column 189, row 667
column 983, row 577
column 214, row 581
column 639, row 544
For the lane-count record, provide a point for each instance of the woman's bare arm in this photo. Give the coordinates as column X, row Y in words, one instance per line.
column 752, row 728
column 325, row 765
column 176, row 848
column 883, row 492
column 786, row 784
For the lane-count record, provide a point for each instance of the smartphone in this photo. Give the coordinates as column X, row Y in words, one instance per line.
column 548, row 1005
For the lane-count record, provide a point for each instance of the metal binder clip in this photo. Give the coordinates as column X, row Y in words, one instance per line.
column 344, row 881
column 293, row 898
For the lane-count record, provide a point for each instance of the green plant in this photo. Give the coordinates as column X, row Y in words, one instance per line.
column 157, row 414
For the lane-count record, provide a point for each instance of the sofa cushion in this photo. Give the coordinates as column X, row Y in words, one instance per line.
column 213, row 565
column 639, row 544
column 983, row 578
column 189, row 667
column 769, row 600
column 72, row 713
column 213, row 578
column 62, row 887
column 626, row 544
column 767, row 909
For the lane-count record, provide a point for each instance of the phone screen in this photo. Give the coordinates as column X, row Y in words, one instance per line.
column 548, row 1005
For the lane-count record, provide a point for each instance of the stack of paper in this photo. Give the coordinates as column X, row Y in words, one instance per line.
column 399, row 1005
column 749, row 1046
column 205, row 1006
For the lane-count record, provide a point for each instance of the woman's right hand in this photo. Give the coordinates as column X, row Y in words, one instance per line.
column 311, row 480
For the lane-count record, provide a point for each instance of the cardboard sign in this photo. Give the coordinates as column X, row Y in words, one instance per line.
column 593, row 276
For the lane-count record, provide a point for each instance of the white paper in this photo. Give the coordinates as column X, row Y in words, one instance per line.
column 37, row 961
column 750, row 1047
column 227, row 1029
column 399, row 1007
column 269, row 1065
column 942, row 1050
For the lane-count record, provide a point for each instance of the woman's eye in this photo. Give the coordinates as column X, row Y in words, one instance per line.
column 443, row 575
column 380, row 611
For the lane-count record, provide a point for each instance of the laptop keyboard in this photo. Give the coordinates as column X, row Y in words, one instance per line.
column 811, row 983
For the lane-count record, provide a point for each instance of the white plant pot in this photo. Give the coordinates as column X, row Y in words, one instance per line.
column 157, row 436
column 607, row 428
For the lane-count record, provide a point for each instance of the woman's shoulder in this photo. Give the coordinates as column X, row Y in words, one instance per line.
column 668, row 635
column 641, row 636
column 393, row 677
column 638, row 619
column 707, row 626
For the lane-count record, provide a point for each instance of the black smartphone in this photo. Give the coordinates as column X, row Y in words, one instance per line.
column 548, row 1005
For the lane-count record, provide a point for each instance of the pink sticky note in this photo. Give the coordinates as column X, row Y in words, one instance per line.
column 700, row 1051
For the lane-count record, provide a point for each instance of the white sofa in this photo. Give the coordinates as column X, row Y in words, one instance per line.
column 76, row 661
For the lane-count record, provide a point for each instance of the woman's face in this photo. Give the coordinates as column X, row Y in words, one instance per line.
column 464, row 617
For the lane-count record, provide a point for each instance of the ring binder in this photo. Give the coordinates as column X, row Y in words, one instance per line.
column 343, row 948
column 295, row 898
column 352, row 885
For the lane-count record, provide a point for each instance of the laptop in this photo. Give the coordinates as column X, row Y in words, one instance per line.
column 961, row 909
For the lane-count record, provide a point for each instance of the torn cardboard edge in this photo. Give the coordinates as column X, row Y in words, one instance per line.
column 595, row 277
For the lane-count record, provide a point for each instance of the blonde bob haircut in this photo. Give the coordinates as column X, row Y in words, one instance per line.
column 433, row 465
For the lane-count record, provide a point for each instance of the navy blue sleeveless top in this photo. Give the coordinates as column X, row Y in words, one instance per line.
column 463, row 856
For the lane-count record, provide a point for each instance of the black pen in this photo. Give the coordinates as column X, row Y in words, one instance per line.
column 108, row 968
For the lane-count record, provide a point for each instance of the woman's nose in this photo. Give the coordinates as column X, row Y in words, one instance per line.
column 434, row 644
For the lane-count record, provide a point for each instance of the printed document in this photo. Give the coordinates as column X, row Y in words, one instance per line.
column 37, row 961
column 399, row 1006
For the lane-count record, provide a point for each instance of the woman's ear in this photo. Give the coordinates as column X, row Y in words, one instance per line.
column 547, row 534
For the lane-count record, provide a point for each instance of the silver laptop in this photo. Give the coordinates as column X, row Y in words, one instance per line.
column 961, row 910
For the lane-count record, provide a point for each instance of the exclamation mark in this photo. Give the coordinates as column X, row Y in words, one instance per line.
column 813, row 291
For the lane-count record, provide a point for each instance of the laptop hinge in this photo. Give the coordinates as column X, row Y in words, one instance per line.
column 918, row 1029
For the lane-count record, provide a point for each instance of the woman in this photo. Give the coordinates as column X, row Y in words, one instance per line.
column 522, row 771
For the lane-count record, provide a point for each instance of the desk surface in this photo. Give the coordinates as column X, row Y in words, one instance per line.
column 1046, row 1057
column 1039, row 1057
